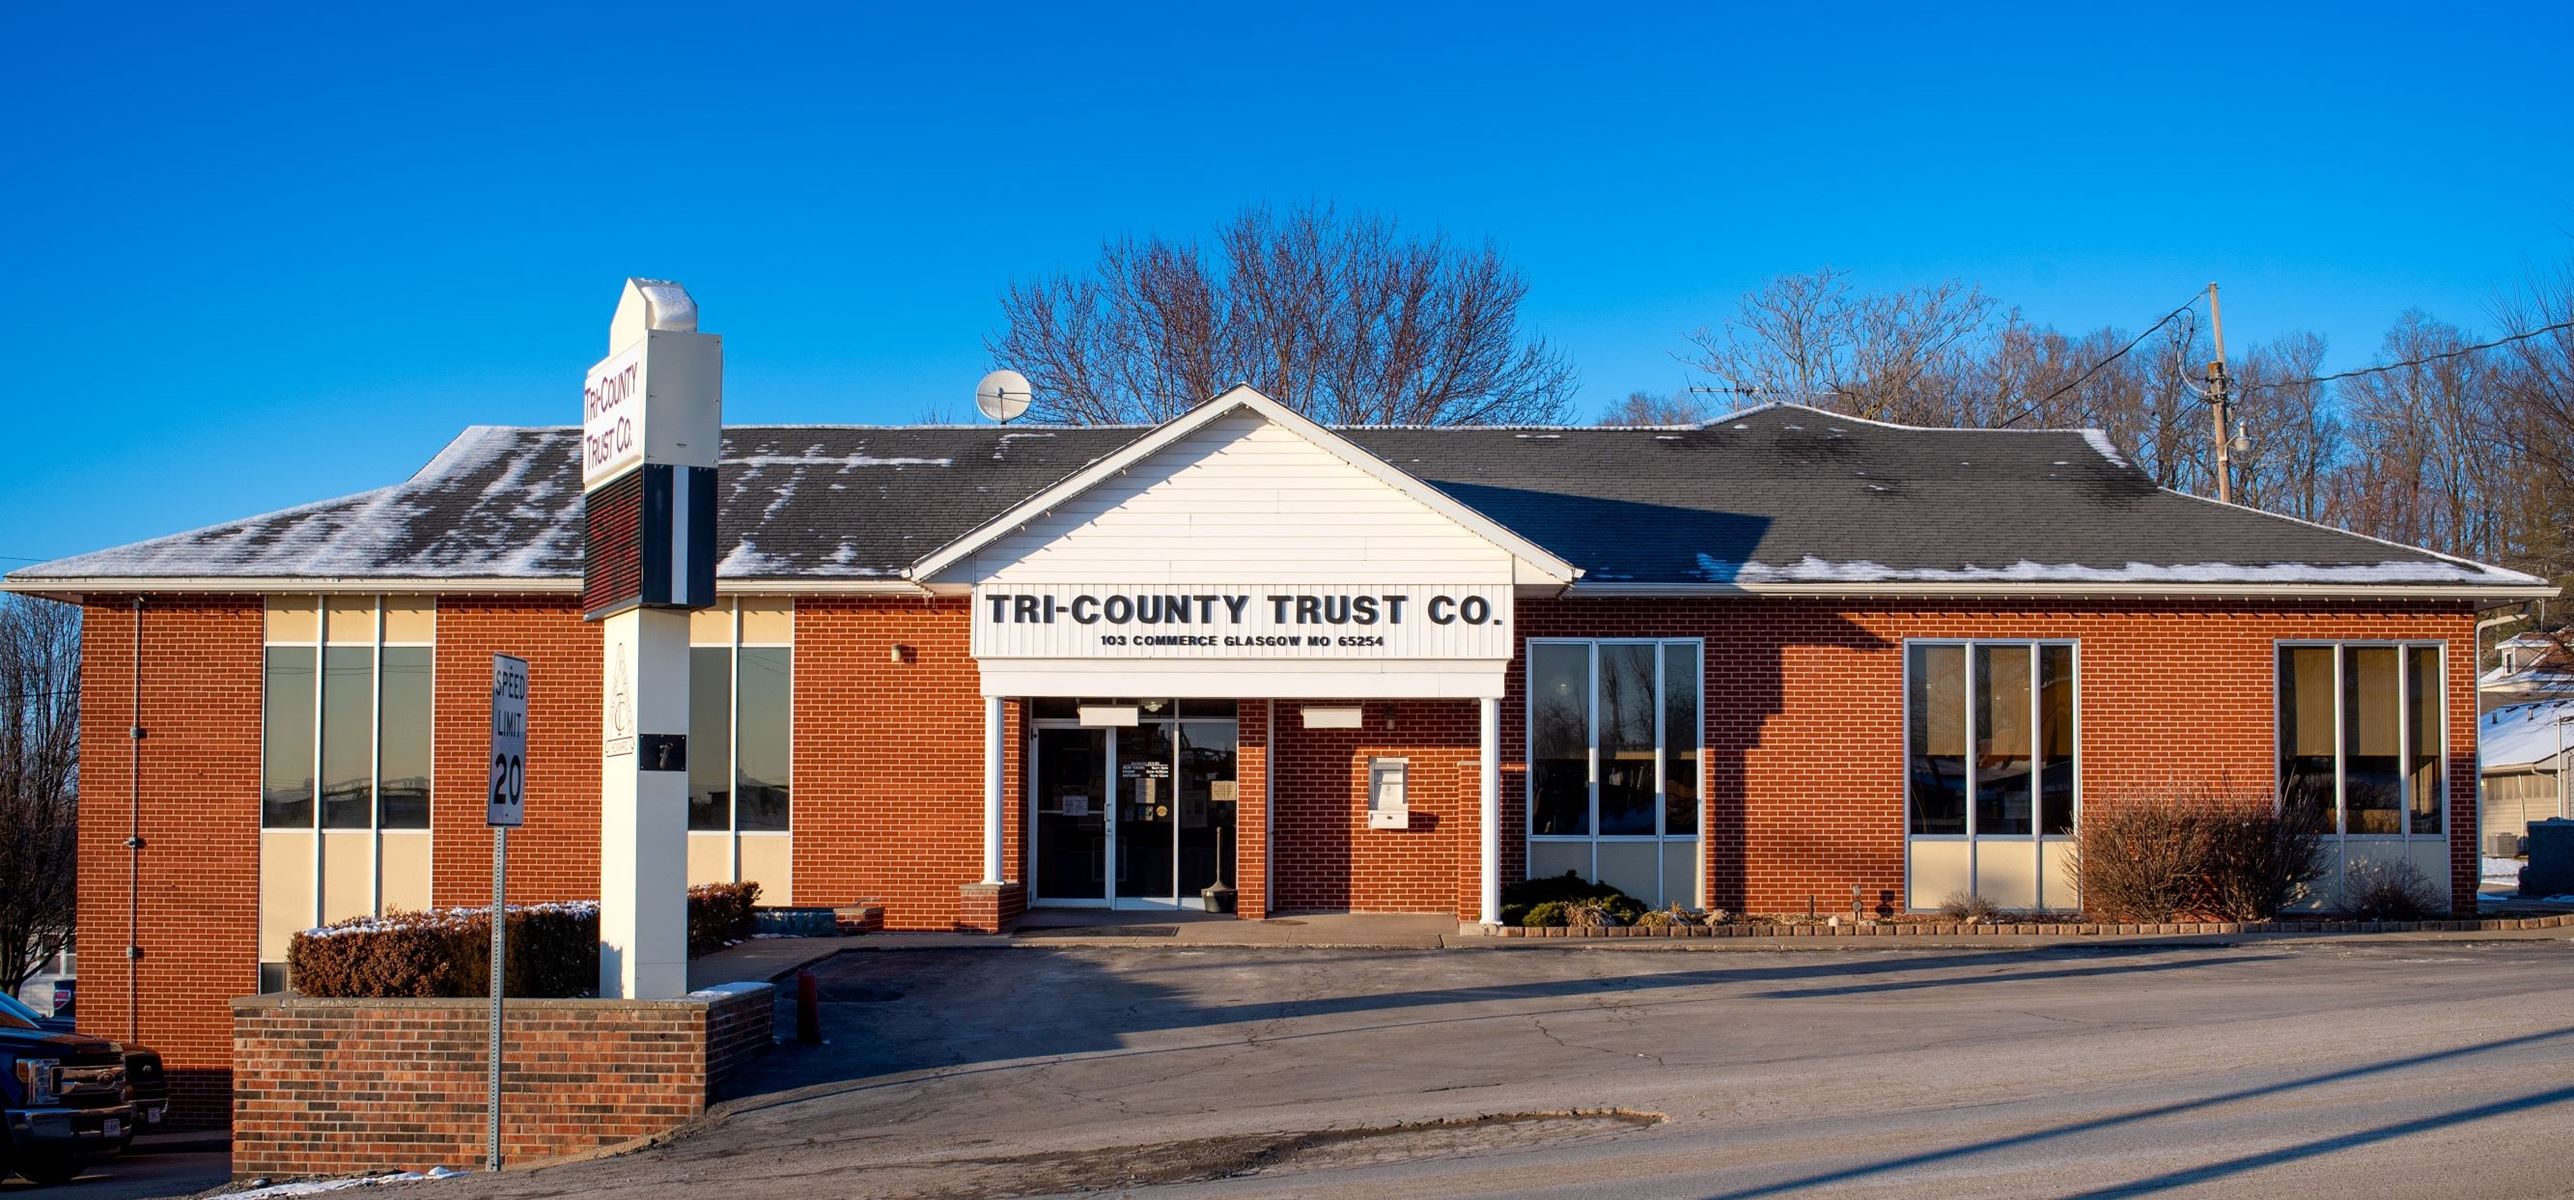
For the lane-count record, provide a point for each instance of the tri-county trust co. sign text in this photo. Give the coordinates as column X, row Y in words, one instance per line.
column 1404, row 621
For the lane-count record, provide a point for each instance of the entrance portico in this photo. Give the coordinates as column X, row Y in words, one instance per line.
column 1234, row 557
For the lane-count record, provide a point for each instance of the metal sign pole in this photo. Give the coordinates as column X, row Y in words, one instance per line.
column 508, row 807
column 500, row 959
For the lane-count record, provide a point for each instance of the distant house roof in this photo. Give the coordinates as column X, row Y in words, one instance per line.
column 2522, row 736
column 1775, row 499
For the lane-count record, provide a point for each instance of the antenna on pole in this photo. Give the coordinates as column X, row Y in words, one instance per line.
column 2222, row 404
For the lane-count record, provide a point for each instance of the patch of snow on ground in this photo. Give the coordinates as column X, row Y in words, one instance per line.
column 2502, row 870
column 315, row 1187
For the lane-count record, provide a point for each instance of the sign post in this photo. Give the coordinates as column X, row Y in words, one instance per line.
column 651, row 428
column 508, row 808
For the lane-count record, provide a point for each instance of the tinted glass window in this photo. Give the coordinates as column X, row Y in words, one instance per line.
column 1628, row 712
column 1681, row 729
column 710, row 738
column 1559, row 745
column 403, row 738
column 1936, row 726
column 286, row 751
column 764, row 735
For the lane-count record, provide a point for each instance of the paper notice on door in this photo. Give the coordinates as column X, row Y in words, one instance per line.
column 1075, row 806
column 1220, row 790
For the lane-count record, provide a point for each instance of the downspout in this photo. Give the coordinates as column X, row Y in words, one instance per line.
column 134, row 843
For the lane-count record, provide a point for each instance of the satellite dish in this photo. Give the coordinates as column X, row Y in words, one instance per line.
column 1002, row 395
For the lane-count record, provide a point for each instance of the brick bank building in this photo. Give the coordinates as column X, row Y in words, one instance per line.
column 1779, row 658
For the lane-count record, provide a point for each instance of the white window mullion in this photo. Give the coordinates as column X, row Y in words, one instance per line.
column 733, row 739
column 1591, row 730
column 375, row 766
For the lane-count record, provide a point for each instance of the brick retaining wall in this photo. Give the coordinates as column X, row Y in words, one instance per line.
column 330, row 1087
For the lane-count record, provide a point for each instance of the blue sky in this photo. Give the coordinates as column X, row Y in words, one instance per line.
column 262, row 255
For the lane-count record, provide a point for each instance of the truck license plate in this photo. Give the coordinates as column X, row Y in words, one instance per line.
column 115, row 1128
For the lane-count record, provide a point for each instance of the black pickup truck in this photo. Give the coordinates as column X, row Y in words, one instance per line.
column 63, row 1098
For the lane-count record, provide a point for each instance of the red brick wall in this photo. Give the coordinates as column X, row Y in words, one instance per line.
column 196, row 880
column 889, row 759
column 1805, row 713
column 1327, row 857
column 330, row 1087
column 555, row 856
column 1253, row 895
column 1804, row 764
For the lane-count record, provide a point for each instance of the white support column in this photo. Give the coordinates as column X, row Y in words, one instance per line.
column 1488, row 785
column 992, row 820
column 643, row 808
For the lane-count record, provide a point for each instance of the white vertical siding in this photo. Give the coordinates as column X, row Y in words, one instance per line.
column 1241, row 501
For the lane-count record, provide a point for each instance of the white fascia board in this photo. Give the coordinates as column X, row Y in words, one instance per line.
column 1241, row 396
column 2420, row 591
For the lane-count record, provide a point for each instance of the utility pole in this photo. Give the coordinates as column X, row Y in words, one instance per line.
column 2222, row 404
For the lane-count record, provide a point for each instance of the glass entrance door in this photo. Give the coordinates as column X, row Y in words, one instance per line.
column 1146, row 817
column 1071, row 800
column 1134, row 817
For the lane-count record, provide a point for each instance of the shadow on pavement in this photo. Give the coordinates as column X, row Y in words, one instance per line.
column 887, row 1014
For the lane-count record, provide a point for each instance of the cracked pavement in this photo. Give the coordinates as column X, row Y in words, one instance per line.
column 2291, row 1070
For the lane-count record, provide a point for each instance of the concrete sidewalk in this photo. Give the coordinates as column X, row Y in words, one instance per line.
column 773, row 959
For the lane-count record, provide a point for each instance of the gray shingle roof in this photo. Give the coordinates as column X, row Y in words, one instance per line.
column 1778, row 495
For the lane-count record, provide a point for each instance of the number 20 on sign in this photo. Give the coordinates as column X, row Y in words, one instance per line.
column 509, row 742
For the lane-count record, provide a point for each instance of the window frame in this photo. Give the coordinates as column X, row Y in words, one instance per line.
column 315, row 824
column 732, row 646
column 2403, row 648
column 1967, row 647
column 1591, row 729
column 375, row 645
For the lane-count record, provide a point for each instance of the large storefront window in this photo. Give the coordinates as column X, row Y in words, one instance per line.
column 2361, row 736
column 1615, row 739
column 345, row 732
column 741, row 728
column 1991, row 772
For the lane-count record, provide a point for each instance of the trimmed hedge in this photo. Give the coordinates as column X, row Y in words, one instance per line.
column 553, row 952
column 719, row 914
column 553, row 948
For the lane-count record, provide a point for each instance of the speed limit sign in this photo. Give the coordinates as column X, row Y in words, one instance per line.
column 509, row 742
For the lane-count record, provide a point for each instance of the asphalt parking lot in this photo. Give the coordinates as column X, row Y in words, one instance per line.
column 2281, row 1070
column 184, row 1166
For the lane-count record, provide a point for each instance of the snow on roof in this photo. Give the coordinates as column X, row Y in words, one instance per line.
column 1779, row 494
column 2523, row 735
column 1811, row 569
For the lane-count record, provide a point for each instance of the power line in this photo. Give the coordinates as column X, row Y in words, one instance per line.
column 2085, row 377
column 2460, row 352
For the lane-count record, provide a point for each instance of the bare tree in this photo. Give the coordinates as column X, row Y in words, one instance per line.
column 1347, row 319
column 1891, row 356
column 1650, row 408
column 2288, row 468
column 39, row 773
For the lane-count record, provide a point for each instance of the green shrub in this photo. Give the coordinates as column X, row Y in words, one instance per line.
column 1544, row 913
column 1521, row 900
column 1658, row 918
column 719, row 914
